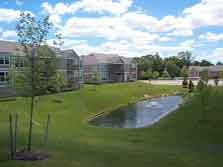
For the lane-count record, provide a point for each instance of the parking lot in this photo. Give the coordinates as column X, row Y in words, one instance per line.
column 176, row 82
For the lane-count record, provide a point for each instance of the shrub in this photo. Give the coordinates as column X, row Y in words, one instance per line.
column 200, row 86
column 191, row 86
column 216, row 80
column 185, row 83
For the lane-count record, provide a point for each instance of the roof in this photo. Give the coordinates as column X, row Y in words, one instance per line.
column 128, row 60
column 216, row 68
column 99, row 58
column 9, row 47
column 69, row 53
column 14, row 47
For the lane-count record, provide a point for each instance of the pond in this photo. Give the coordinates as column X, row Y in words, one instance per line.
column 140, row 114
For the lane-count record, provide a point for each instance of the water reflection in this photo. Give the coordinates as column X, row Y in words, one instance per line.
column 140, row 114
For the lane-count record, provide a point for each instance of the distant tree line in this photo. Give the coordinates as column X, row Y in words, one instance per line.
column 153, row 66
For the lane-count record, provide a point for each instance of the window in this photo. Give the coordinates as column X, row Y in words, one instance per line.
column 104, row 75
column 19, row 62
column 4, row 76
column 6, row 60
column 103, row 67
column 1, row 60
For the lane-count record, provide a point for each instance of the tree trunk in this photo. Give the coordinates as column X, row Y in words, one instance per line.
column 203, row 107
column 32, row 99
column 46, row 131
column 31, row 124
column 15, row 132
column 11, row 137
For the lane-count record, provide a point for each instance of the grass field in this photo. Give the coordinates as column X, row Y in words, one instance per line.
column 180, row 139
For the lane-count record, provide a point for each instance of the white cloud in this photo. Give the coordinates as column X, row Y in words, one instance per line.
column 205, row 13
column 216, row 55
column 181, row 33
column 133, row 32
column 110, row 28
column 110, row 6
column 122, row 47
column 9, row 34
column 139, row 19
column 81, row 47
column 188, row 44
column 100, row 6
column 212, row 37
column 165, row 39
column 9, row 14
column 59, row 9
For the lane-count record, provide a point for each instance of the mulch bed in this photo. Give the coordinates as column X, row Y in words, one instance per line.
column 25, row 155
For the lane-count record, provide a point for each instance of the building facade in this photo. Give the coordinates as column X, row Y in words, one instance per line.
column 12, row 57
column 213, row 71
column 99, row 68
column 69, row 64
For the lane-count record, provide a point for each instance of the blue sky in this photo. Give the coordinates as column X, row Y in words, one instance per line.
column 127, row 27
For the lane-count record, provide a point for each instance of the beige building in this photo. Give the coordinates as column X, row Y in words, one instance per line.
column 99, row 68
column 213, row 71
column 13, row 57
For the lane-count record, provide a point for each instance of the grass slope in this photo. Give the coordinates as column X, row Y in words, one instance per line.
column 178, row 140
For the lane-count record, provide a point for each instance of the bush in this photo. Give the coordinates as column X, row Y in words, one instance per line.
column 216, row 81
column 191, row 86
column 200, row 85
column 185, row 83
column 156, row 74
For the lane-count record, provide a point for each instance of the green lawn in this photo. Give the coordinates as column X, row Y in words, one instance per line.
column 177, row 140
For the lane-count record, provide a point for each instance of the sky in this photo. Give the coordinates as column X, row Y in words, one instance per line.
column 130, row 28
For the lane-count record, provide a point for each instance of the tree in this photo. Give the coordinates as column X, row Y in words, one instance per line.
column 149, row 74
column 204, row 92
column 221, row 76
column 216, row 80
column 156, row 74
column 150, row 62
column 172, row 69
column 195, row 63
column 184, row 72
column 166, row 74
column 185, row 83
column 200, row 85
column 32, row 34
column 204, row 76
column 142, row 74
column 191, row 86
column 146, row 75
column 97, row 77
column 16, row 79
column 59, row 82
column 219, row 63
column 205, row 63
column 47, row 65
column 186, row 58
column 157, row 63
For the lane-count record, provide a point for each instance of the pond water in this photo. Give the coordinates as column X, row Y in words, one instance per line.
column 141, row 114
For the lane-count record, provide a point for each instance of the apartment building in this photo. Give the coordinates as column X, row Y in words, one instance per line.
column 13, row 57
column 213, row 71
column 99, row 68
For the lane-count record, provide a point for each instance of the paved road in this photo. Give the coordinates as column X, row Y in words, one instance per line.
column 175, row 82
